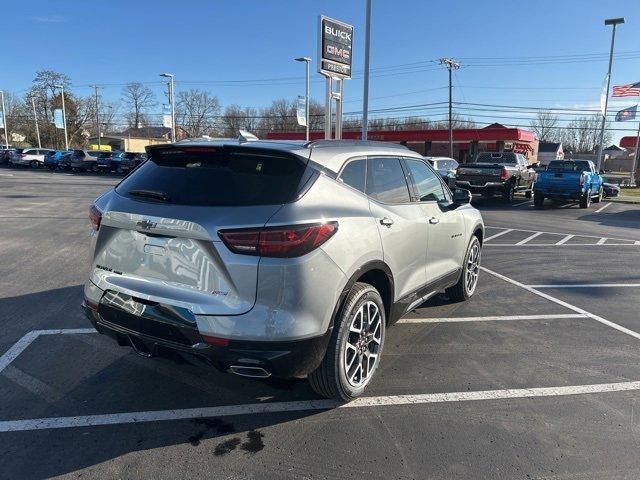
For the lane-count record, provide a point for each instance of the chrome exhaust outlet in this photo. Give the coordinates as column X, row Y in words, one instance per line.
column 253, row 372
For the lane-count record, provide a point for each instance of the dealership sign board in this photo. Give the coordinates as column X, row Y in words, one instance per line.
column 334, row 48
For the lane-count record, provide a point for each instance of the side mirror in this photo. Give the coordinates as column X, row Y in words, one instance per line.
column 461, row 196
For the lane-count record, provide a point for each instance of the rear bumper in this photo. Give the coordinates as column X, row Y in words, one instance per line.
column 477, row 188
column 286, row 359
column 560, row 194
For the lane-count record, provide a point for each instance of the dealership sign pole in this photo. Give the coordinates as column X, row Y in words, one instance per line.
column 4, row 120
column 335, row 40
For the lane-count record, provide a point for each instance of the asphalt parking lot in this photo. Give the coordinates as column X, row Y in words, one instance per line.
column 537, row 376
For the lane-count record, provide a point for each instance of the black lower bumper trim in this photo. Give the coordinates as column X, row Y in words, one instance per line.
column 288, row 359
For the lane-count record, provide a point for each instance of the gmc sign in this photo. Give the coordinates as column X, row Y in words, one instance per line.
column 335, row 41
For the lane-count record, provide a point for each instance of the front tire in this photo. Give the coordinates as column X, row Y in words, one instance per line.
column 466, row 286
column 355, row 348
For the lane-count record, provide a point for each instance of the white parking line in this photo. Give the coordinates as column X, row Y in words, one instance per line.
column 306, row 405
column 589, row 285
column 498, row 234
column 603, row 207
column 602, row 241
column 493, row 318
column 566, row 239
column 531, row 237
column 553, row 233
column 610, row 244
column 520, row 203
column 563, row 303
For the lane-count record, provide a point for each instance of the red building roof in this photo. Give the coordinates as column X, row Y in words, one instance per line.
column 628, row 142
column 492, row 133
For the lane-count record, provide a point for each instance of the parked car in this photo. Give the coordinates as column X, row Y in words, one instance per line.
column 52, row 158
column 83, row 160
column 107, row 161
column 5, row 155
column 32, row 157
column 446, row 167
column 569, row 180
column 610, row 190
column 277, row 259
column 14, row 156
column 127, row 161
column 497, row 172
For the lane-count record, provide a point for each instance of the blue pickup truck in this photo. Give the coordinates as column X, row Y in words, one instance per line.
column 568, row 180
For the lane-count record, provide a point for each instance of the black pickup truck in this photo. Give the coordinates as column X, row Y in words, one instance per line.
column 497, row 172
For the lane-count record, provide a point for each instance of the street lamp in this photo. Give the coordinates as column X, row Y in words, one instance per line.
column 172, row 103
column 35, row 119
column 306, row 60
column 614, row 22
column 4, row 120
column 64, row 117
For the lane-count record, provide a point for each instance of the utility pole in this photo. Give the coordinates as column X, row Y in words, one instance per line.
column 173, row 106
column 614, row 22
column 64, row 117
column 4, row 120
column 636, row 158
column 95, row 88
column 451, row 65
column 35, row 119
column 365, row 96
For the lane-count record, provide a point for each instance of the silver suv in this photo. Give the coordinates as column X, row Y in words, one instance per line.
column 277, row 259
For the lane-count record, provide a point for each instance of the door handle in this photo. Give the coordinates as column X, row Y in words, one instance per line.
column 387, row 222
column 434, row 220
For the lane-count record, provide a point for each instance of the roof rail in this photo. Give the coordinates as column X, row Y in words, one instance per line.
column 356, row 143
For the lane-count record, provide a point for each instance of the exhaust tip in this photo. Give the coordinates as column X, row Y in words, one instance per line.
column 253, row 372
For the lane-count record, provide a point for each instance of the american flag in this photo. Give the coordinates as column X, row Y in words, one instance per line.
column 631, row 90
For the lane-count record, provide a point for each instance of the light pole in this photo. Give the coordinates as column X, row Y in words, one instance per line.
column 365, row 86
column 307, row 61
column 451, row 65
column 172, row 103
column 614, row 22
column 4, row 120
column 64, row 117
column 95, row 87
column 35, row 119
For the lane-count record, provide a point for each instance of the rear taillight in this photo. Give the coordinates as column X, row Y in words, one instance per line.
column 23, row 155
column 95, row 217
column 289, row 241
column 216, row 341
column 505, row 174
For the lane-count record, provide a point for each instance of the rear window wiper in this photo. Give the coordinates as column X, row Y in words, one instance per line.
column 155, row 194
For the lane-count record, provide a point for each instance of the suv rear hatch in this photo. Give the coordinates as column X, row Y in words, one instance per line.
column 158, row 239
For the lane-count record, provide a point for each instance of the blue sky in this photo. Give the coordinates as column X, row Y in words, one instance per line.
column 214, row 44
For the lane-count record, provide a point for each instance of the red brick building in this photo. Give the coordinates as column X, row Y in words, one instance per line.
column 466, row 141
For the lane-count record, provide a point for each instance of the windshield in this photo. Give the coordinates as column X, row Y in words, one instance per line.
column 216, row 177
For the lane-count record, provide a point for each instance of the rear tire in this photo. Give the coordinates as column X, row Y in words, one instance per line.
column 355, row 347
column 508, row 193
column 598, row 199
column 538, row 200
column 466, row 286
column 34, row 164
column 585, row 201
column 528, row 194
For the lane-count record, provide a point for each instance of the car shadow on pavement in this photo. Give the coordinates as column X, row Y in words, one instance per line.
column 627, row 218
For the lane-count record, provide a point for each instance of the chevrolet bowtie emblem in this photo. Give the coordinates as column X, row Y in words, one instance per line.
column 146, row 224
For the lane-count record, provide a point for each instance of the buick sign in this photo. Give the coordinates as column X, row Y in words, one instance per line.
column 335, row 41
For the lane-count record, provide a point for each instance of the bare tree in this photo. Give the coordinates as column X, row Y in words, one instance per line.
column 197, row 112
column 582, row 134
column 138, row 99
column 236, row 118
column 544, row 126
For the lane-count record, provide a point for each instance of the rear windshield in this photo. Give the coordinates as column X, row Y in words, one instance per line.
column 488, row 157
column 568, row 166
column 215, row 177
column 446, row 164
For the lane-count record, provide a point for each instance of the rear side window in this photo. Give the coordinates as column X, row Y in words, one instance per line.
column 215, row 177
column 386, row 181
column 354, row 174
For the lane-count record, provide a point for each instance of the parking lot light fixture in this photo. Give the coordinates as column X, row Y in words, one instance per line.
column 614, row 22
column 64, row 117
column 307, row 61
column 173, row 105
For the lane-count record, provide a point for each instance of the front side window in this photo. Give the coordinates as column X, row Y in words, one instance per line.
column 426, row 181
column 354, row 174
column 386, row 181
